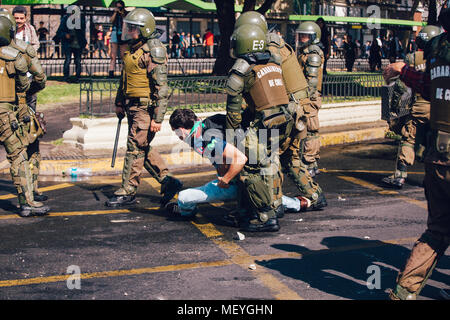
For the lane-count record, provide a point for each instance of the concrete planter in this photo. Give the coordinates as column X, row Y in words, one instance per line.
column 95, row 134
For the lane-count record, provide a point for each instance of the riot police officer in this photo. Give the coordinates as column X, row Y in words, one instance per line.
column 13, row 80
column 433, row 85
column 31, row 120
column 143, row 95
column 412, row 127
column 311, row 60
column 311, row 195
column 256, row 77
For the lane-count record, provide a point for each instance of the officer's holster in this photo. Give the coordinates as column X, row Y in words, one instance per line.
column 33, row 124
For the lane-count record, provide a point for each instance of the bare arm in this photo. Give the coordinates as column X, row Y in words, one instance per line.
column 238, row 160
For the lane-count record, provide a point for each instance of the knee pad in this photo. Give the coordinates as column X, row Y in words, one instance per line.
column 257, row 191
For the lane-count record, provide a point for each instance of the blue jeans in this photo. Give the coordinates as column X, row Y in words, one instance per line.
column 211, row 192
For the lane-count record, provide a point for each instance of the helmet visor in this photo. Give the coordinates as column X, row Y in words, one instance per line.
column 130, row 31
column 305, row 39
column 233, row 46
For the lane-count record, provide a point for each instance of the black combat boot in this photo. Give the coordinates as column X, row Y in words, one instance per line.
column 397, row 180
column 238, row 217
column 36, row 209
column 318, row 204
column 255, row 225
column 118, row 201
column 170, row 186
column 265, row 221
column 174, row 209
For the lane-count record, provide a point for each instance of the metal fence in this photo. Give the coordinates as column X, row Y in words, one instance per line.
column 208, row 93
column 360, row 65
column 100, row 67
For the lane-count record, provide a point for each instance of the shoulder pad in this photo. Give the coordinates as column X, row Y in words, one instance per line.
column 20, row 45
column 313, row 48
column 20, row 63
column 276, row 58
column 157, row 50
column 31, row 51
column 9, row 53
column 235, row 84
column 154, row 43
column 158, row 54
column 274, row 39
column 241, row 67
column 145, row 48
column 314, row 60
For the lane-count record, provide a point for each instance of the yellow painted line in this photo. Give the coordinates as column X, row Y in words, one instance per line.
column 50, row 188
column 116, row 273
column 153, row 183
column 362, row 183
column 56, row 187
column 363, row 171
column 422, row 204
column 240, row 257
column 77, row 213
column 266, row 278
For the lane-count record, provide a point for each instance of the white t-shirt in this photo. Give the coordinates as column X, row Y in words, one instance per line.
column 22, row 36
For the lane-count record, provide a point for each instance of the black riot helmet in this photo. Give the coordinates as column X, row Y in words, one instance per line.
column 5, row 31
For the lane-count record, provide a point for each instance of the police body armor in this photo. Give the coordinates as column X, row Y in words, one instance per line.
column 268, row 97
column 312, row 65
column 135, row 80
column 294, row 79
column 33, row 122
column 7, row 73
column 439, row 66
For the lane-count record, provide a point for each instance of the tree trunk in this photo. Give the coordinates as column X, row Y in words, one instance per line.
column 249, row 5
column 432, row 13
column 227, row 18
column 407, row 33
column 266, row 6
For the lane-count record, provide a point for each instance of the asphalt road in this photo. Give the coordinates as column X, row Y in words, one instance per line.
column 363, row 236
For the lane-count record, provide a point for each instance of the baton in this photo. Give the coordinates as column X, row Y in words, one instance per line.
column 113, row 161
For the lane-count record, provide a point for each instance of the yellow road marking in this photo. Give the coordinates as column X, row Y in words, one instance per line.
column 422, row 204
column 50, row 188
column 362, row 171
column 77, row 213
column 115, row 273
column 243, row 259
column 362, row 183
column 240, row 257
column 153, row 183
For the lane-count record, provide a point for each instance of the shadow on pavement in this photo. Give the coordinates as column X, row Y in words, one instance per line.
column 341, row 270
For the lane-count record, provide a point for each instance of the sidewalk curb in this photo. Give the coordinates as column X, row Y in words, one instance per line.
column 186, row 158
